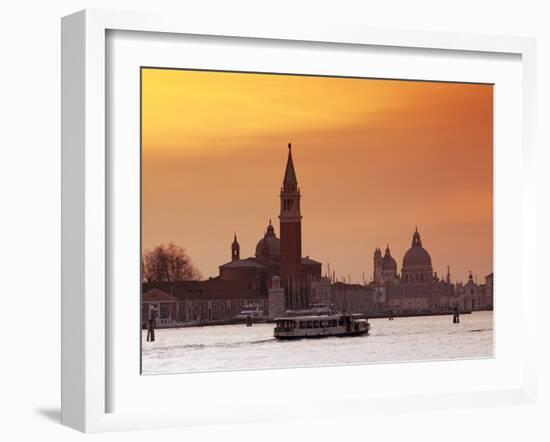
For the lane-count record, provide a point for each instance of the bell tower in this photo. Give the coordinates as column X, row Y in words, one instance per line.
column 290, row 224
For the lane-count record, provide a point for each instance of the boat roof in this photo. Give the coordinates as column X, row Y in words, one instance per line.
column 308, row 318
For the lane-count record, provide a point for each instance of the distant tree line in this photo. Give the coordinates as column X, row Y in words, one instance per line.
column 168, row 263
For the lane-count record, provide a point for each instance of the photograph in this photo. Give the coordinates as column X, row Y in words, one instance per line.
column 306, row 220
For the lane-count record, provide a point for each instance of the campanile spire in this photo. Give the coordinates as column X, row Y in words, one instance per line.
column 290, row 182
column 290, row 223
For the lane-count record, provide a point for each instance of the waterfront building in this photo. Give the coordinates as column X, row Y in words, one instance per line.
column 488, row 291
column 202, row 301
column 419, row 289
column 474, row 296
column 343, row 297
column 276, row 299
column 352, row 298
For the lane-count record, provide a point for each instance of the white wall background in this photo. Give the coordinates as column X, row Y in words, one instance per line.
column 30, row 217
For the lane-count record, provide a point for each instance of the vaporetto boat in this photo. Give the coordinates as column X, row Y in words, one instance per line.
column 319, row 326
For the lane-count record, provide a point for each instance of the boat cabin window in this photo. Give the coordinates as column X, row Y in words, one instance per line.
column 286, row 324
column 324, row 323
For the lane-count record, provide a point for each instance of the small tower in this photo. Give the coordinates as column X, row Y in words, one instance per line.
column 416, row 241
column 389, row 267
column 377, row 265
column 448, row 275
column 235, row 249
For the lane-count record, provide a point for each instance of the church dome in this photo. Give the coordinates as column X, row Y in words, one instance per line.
column 417, row 256
column 269, row 245
column 388, row 263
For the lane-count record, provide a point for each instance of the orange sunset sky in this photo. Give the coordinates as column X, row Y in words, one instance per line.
column 374, row 158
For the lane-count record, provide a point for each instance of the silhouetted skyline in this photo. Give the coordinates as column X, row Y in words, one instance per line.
column 374, row 159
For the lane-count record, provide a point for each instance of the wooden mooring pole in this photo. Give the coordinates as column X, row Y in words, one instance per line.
column 456, row 316
column 151, row 325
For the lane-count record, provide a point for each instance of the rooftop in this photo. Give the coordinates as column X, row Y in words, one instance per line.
column 209, row 289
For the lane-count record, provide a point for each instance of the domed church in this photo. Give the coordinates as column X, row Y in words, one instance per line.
column 417, row 263
column 268, row 249
column 276, row 256
column 417, row 287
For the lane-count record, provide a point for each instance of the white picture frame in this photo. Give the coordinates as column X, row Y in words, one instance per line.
column 86, row 352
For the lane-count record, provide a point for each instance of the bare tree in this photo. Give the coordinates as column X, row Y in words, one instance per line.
column 167, row 263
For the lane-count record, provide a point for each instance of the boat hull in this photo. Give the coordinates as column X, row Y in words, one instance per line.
column 332, row 335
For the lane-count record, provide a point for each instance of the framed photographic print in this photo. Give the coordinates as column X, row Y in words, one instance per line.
column 308, row 212
column 202, row 179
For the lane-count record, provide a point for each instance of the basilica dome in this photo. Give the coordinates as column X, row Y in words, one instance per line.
column 388, row 263
column 269, row 245
column 417, row 256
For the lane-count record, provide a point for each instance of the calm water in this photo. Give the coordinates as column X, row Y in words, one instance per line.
column 232, row 347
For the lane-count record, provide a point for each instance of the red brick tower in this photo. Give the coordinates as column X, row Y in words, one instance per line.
column 291, row 224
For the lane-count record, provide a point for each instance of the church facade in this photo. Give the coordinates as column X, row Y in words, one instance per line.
column 275, row 256
column 419, row 289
